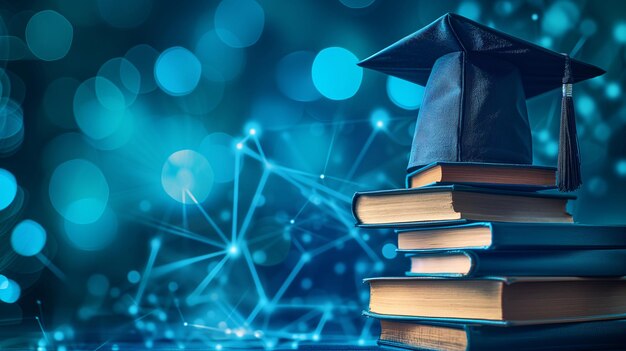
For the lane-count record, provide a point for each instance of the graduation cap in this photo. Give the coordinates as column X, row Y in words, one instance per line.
column 477, row 80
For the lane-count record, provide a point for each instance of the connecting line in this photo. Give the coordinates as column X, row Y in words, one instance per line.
column 366, row 248
column 169, row 229
column 155, row 245
column 312, row 184
column 54, row 269
column 235, row 197
column 294, row 272
column 253, row 206
column 330, row 245
column 124, row 328
column 207, row 217
column 170, row 267
column 366, row 328
column 255, row 275
column 194, row 295
column 258, row 146
column 330, row 148
column 177, row 305
column 359, row 158
column 45, row 335
column 320, row 326
column 578, row 46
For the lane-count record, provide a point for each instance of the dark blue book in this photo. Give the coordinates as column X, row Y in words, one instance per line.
column 484, row 263
column 441, row 204
column 424, row 335
column 512, row 236
column 490, row 175
column 504, row 301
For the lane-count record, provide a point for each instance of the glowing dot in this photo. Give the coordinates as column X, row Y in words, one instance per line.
column 239, row 23
column 186, row 324
column 239, row 146
column 469, row 9
column 585, row 105
column 28, row 238
column 619, row 32
column 380, row 124
column 124, row 13
column 187, row 175
column 602, row 131
column 534, row 17
column 115, row 347
column 306, row 284
column 546, row 41
column 177, row 71
column 404, row 93
column 233, row 250
column 559, row 18
column 620, row 168
column 98, row 285
column 78, row 191
column 316, row 337
column 613, row 90
column 340, row 268
column 49, row 35
column 292, row 221
column 361, row 342
column 11, row 293
column 335, row 73
column 389, row 251
column 306, row 257
column 552, row 148
column 133, row 309
column 218, row 347
column 8, row 184
column 93, row 236
column 133, row 277
column 322, row 176
column 252, row 131
column 239, row 332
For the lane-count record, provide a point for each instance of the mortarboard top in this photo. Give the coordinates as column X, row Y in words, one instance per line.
column 477, row 81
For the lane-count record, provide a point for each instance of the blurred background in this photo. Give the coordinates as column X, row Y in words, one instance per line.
column 181, row 172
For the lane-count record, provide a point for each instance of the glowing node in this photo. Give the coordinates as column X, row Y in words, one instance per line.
column 336, row 74
column 619, row 32
column 534, row 17
column 252, row 131
column 361, row 342
column 316, row 337
column 133, row 277
column 404, row 93
column 186, row 324
column 322, row 176
column 133, row 309
column 28, row 238
column 380, row 124
column 292, row 221
column 620, row 168
column 239, row 146
column 228, row 331
column 258, row 334
column 233, row 250
column 187, row 175
column 218, row 347
column 306, row 257
column 177, row 71
column 8, row 184
column 49, row 35
column 613, row 90
column 240, row 332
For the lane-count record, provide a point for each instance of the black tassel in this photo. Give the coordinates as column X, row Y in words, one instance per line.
column 569, row 177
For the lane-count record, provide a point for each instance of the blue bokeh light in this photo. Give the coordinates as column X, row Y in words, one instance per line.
column 620, row 167
column 124, row 75
column 293, row 76
column 404, row 93
column 99, row 107
column 11, row 127
column 187, row 173
column 219, row 61
column 79, row 191
column 49, row 35
column 177, row 71
column 28, row 238
column 133, row 277
column 8, row 188
column 585, row 105
column 143, row 57
column 389, row 251
column 4, row 282
column 11, row 293
column 379, row 118
column 613, row 90
column 98, row 285
column 336, row 74
column 560, row 17
column 619, row 32
column 93, row 236
column 239, row 23
column 469, row 9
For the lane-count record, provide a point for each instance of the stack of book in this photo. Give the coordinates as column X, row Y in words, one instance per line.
column 495, row 263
